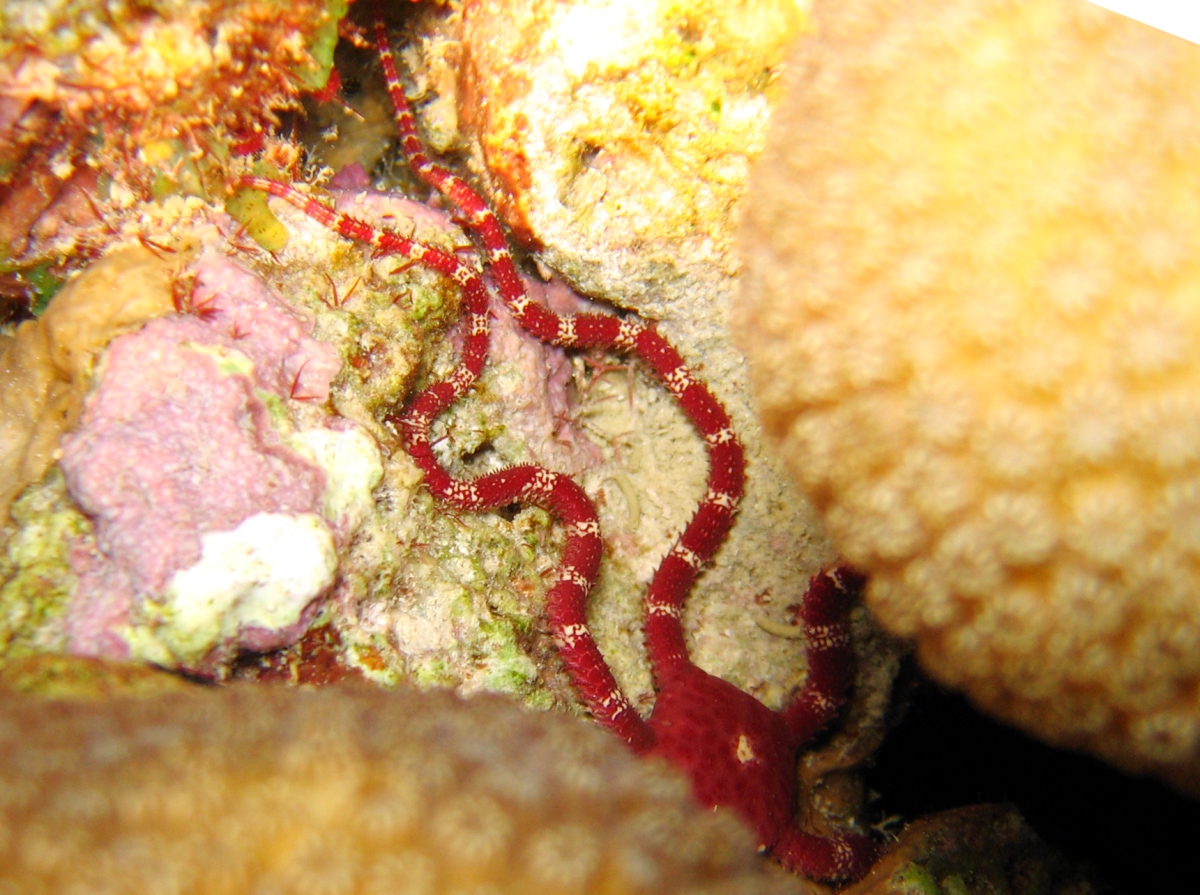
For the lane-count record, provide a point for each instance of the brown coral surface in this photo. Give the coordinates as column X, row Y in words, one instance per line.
column 46, row 364
column 972, row 306
column 347, row 790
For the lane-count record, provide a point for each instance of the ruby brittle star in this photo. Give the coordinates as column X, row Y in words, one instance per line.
column 738, row 753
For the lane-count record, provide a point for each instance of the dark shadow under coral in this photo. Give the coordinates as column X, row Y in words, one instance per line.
column 1137, row 833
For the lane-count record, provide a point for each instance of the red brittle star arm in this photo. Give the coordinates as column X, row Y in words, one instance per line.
column 567, row 599
column 709, row 527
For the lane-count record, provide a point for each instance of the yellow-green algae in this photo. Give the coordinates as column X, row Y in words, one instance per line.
column 36, row 580
column 249, row 208
column 314, row 74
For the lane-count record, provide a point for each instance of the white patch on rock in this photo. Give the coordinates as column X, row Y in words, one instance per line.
column 353, row 468
column 261, row 574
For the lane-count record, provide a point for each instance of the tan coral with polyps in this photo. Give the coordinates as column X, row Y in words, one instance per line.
column 973, row 308
column 347, row 790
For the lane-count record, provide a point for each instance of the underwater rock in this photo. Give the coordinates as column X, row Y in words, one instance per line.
column 972, row 309
column 983, row 849
column 349, row 789
column 208, row 509
column 617, row 137
column 446, row 600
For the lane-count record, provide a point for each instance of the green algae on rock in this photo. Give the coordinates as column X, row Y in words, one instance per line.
column 348, row 789
column 36, row 579
column 249, row 208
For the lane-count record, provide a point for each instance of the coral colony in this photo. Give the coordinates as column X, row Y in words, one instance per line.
column 344, row 790
column 1003, row 431
column 737, row 752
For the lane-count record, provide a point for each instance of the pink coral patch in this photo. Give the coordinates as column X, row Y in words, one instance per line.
column 261, row 325
column 176, row 441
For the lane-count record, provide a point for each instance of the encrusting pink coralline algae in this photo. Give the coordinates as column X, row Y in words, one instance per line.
column 208, row 505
